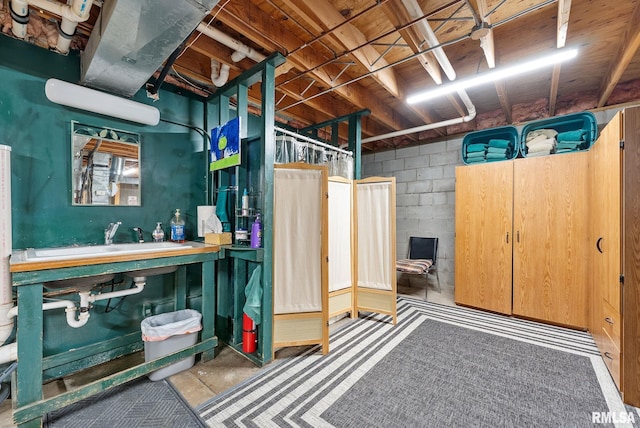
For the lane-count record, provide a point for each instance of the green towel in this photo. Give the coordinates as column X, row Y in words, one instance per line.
column 571, row 135
column 502, row 144
column 221, row 208
column 253, row 292
column 475, row 155
column 569, row 144
column 478, row 147
column 498, row 150
column 476, row 160
column 494, row 156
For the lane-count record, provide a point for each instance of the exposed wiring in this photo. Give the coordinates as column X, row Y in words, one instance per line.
column 208, row 24
column 189, row 82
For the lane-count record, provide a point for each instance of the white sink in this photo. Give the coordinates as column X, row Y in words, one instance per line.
column 77, row 252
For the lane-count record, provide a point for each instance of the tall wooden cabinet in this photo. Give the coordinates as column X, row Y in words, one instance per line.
column 483, row 245
column 615, row 250
column 521, row 238
column 551, row 229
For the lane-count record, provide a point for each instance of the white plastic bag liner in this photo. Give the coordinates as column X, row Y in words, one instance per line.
column 162, row 326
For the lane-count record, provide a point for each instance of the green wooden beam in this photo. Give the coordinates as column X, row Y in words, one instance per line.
column 355, row 144
column 344, row 118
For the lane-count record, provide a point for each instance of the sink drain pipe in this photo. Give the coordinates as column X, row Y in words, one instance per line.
column 9, row 352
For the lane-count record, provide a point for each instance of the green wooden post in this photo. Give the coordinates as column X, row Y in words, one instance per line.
column 267, row 156
column 355, row 143
column 27, row 379
column 180, row 288
column 208, row 307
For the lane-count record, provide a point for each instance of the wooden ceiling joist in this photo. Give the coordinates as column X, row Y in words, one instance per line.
column 626, row 52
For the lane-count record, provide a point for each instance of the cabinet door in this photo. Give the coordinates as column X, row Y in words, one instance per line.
column 483, row 243
column 551, row 245
column 604, row 246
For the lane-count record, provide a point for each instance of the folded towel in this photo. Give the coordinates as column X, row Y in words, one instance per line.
column 494, row 156
column 530, row 155
column 498, row 150
column 475, row 155
column 569, row 144
column 537, row 139
column 502, row 144
column 549, row 133
column 478, row 147
column 541, row 147
column 578, row 135
column 565, row 150
column 476, row 160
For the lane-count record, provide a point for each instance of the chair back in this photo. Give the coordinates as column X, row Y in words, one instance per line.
column 423, row 248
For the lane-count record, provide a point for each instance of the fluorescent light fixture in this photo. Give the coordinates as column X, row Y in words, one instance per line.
column 82, row 98
column 496, row 74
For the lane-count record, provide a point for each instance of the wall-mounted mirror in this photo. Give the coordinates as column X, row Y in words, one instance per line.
column 105, row 166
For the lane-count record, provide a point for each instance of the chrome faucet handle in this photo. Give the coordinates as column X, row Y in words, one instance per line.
column 110, row 232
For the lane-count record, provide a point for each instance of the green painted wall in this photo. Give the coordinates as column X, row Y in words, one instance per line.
column 173, row 176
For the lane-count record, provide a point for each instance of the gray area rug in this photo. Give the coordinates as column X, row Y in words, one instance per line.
column 440, row 366
column 139, row 403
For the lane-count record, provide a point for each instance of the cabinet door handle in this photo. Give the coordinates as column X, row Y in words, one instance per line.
column 518, row 236
column 608, row 355
column 598, row 242
column 609, row 320
column 507, row 237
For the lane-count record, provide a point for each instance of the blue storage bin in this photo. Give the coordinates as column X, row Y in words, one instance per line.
column 505, row 145
column 567, row 126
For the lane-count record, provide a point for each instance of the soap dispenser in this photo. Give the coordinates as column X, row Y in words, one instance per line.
column 177, row 227
column 158, row 233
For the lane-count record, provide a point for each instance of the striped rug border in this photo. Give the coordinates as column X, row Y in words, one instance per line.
column 283, row 393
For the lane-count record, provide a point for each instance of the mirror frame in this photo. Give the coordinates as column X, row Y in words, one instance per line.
column 105, row 166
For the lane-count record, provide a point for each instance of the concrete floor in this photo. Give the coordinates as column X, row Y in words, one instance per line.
column 205, row 380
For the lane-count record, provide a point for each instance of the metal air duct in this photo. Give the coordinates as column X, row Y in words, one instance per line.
column 132, row 38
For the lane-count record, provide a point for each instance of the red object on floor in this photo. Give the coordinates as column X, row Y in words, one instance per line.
column 249, row 337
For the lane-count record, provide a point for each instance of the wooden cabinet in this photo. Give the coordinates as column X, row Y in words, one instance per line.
column 551, row 226
column 614, row 250
column 522, row 228
column 484, row 201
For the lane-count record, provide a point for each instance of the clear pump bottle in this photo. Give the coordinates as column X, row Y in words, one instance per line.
column 158, row 233
column 177, row 227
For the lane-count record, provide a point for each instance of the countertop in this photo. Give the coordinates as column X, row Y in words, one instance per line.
column 19, row 262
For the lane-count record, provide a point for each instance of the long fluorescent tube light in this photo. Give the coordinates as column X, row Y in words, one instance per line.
column 496, row 74
column 94, row 101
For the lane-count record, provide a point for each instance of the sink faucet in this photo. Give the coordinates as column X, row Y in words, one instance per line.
column 140, row 236
column 110, row 232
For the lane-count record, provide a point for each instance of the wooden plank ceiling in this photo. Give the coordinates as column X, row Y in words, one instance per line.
column 347, row 55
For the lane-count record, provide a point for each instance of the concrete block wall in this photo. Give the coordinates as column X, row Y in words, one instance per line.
column 425, row 195
column 425, row 192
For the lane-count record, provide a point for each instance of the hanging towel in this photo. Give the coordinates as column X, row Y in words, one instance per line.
column 478, row 147
column 571, row 135
column 221, row 208
column 253, row 293
column 496, row 142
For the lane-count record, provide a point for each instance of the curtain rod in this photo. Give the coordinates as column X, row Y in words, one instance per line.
column 311, row 140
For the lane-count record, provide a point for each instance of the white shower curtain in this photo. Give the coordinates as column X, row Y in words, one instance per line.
column 374, row 235
column 297, row 242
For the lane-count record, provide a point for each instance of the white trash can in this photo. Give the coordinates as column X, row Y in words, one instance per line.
column 167, row 333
